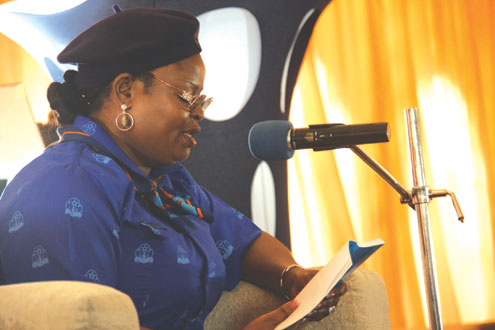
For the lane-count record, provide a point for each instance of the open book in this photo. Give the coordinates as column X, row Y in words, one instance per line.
column 350, row 256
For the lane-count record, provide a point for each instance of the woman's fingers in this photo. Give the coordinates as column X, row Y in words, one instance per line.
column 270, row 320
column 341, row 289
column 338, row 291
column 328, row 304
column 318, row 314
column 323, row 309
column 283, row 311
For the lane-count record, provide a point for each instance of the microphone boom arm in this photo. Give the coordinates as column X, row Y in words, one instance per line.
column 405, row 196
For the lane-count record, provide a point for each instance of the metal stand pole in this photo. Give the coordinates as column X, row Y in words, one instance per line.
column 420, row 199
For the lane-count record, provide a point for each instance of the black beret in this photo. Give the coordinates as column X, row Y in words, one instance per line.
column 133, row 41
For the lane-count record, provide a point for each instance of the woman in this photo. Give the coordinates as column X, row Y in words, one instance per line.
column 111, row 203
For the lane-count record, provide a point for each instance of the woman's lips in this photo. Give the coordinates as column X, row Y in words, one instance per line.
column 190, row 140
column 188, row 136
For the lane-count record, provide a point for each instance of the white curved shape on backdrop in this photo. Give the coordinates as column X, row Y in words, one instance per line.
column 263, row 202
column 285, row 72
column 36, row 7
column 27, row 34
column 231, row 42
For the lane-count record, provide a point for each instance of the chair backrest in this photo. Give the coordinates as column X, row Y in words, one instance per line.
column 65, row 305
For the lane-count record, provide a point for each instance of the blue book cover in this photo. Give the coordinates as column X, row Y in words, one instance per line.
column 359, row 254
column 339, row 268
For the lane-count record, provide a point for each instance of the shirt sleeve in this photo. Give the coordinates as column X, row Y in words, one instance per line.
column 61, row 225
column 233, row 233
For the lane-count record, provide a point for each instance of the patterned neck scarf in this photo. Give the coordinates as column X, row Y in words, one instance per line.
column 151, row 191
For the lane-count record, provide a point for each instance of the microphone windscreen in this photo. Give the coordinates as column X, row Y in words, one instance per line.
column 268, row 140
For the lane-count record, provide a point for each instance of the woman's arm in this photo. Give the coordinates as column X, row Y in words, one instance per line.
column 264, row 262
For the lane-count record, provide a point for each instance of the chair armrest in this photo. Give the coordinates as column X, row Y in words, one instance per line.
column 364, row 306
column 65, row 305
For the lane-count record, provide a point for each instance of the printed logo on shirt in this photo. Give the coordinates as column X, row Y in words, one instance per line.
column 39, row 257
column 89, row 128
column 101, row 158
column 225, row 249
column 74, row 208
column 211, row 269
column 182, row 256
column 143, row 254
column 16, row 222
column 92, row 275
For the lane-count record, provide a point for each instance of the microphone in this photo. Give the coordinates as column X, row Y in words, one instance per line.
column 277, row 139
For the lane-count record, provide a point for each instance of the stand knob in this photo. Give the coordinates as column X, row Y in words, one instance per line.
column 445, row 192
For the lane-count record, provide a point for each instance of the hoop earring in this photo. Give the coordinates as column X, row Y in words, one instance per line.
column 124, row 121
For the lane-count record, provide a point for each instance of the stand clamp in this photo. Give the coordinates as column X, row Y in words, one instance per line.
column 407, row 199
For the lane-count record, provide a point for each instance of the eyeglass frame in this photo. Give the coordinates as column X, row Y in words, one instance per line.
column 187, row 96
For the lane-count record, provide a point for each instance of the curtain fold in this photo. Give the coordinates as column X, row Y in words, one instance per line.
column 367, row 61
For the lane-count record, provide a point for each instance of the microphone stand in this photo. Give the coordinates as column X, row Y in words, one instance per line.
column 418, row 198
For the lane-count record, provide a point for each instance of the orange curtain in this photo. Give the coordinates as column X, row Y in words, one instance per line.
column 18, row 66
column 367, row 61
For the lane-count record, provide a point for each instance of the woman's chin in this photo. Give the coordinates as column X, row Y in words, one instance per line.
column 172, row 159
column 182, row 156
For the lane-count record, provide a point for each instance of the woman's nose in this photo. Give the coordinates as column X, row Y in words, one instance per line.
column 197, row 113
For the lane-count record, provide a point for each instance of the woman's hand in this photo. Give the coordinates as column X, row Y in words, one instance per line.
column 270, row 320
column 297, row 278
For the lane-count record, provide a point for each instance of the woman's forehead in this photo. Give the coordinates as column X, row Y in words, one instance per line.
column 190, row 70
column 190, row 64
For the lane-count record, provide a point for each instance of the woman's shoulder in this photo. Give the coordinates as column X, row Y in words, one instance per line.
column 70, row 166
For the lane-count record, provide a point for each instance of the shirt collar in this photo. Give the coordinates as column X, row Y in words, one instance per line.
column 97, row 132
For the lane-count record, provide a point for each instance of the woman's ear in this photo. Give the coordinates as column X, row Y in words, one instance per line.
column 122, row 88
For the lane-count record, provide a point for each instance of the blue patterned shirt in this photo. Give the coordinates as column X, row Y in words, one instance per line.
column 73, row 214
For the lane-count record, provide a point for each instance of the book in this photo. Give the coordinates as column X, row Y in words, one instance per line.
column 338, row 269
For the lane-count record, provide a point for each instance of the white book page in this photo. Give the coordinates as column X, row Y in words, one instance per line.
column 319, row 286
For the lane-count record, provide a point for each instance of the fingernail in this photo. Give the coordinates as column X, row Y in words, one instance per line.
column 330, row 295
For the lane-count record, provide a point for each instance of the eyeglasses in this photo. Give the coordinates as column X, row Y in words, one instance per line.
column 194, row 101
